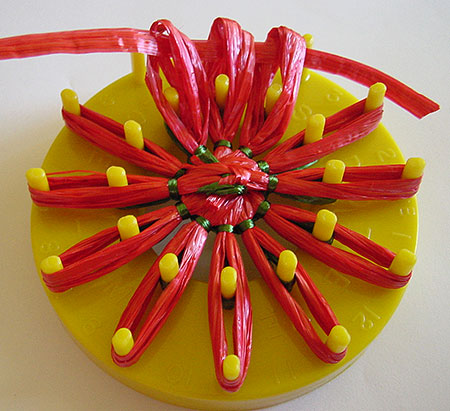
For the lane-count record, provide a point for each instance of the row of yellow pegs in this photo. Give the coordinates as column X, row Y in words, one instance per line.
column 313, row 131
column 222, row 84
column 338, row 339
column 315, row 125
column 333, row 173
column 314, row 128
column 323, row 230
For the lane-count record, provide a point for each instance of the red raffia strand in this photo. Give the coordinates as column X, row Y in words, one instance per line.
column 226, row 252
column 255, row 240
column 236, row 59
column 332, row 123
column 399, row 93
column 260, row 133
column 95, row 257
column 368, row 188
column 189, row 241
column 280, row 217
column 352, row 131
column 359, row 173
column 92, row 191
column 134, row 40
column 108, row 134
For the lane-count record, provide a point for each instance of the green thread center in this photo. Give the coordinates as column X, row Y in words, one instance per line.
column 173, row 189
column 247, row 151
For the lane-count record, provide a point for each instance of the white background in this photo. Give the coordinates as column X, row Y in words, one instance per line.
column 407, row 367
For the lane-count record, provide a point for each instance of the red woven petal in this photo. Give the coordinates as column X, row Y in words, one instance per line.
column 332, row 123
column 316, row 302
column 189, row 242
column 91, row 258
column 355, row 241
column 184, row 71
column 236, row 59
column 352, row 131
column 357, row 191
column 227, row 249
column 258, row 133
column 360, row 173
column 336, row 258
column 253, row 239
column 92, row 191
column 114, row 142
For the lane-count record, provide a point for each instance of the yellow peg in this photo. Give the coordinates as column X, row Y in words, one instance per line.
column 70, row 101
column 314, row 128
column 138, row 66
column 37, row 179
column 403, row 262
column 277, row 77
column 231, row 367
column 173, row 98
column 309, row 39
column 413, row 168
column 133, row 134
column 375, row 97
column 168, row 267
column 117, row 177
column 51, row 264
column 339, row 339
column 287, row 264
column 128, row 227
column 334, row 172
column 324, row 225
column 272, row 95
column 122, row 341
column 228, row 282
column 222, row 84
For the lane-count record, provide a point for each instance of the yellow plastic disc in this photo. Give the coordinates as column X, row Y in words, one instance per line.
column 178, row 366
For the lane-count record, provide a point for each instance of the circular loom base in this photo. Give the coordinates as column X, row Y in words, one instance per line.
column 178, row 366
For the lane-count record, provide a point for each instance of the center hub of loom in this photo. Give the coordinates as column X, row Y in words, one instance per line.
column 231, row 189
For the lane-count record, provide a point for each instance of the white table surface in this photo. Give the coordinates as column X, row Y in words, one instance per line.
column 406, row 367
